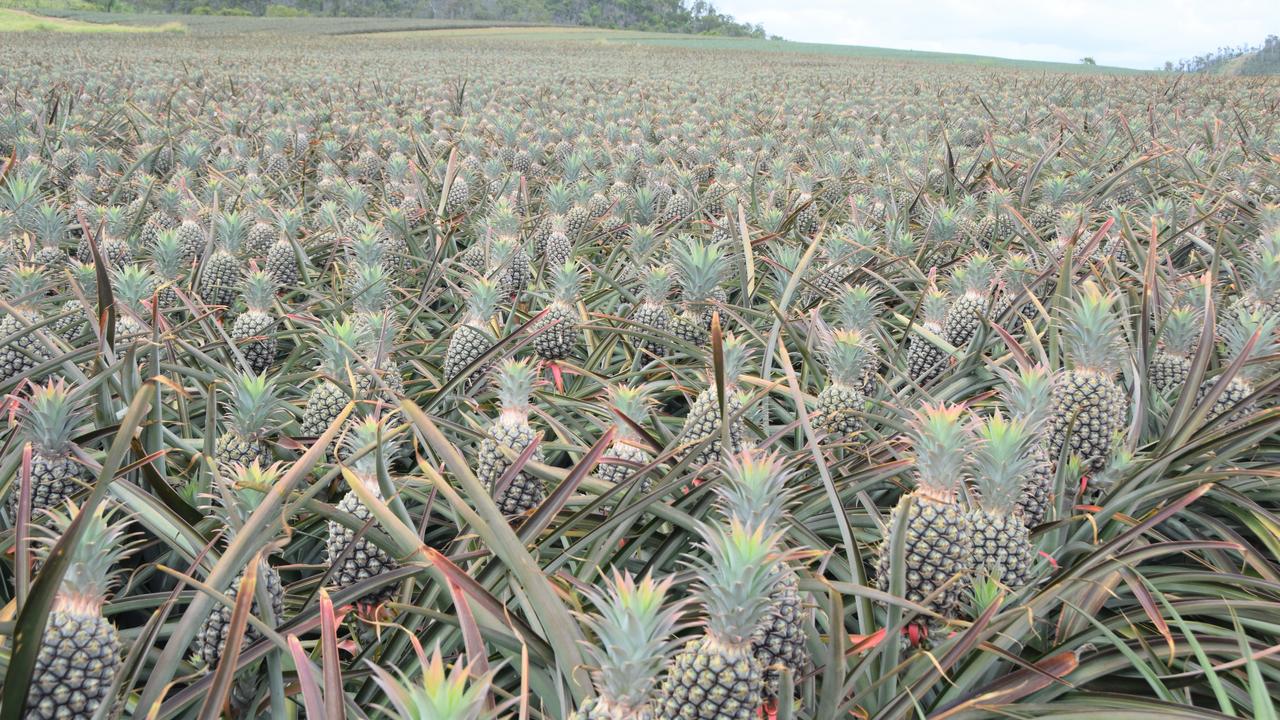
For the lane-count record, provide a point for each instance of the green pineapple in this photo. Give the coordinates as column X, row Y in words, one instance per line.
column 627, row 453
column 1020, row 272
column 973, row 285
column 49, row 418
column 654, row 310
column 339, row 341
column 998, row 225
column 1089, row 407
column 133, row 286
column 634, row 626
column 282, row 261
column 699, row 267
column 1179, row 337
column 1028, row 395
column 840, row 403
column 170, row 267
column 937, row 552
column 353, row 560
column 558, row 331
column 455, row 695
column 73, row 320
column 509, row 265
column 252, row 329
column 253, row 415
column 511, row 431
column 261, row 234
column 1239, row 328
column 473, row 336
column 925, row 360
column 114, row 240
column 221, row 276
column 80, row 650
column 1261, row 281
column 718, row 676
column 51, row 230
column 192, row 233
column 1003, row 459
column 703, row 421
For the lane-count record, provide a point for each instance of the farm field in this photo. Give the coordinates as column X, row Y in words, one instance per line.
column 378, row 368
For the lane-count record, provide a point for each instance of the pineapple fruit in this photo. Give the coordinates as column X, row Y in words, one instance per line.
column 49, row 417
column 511, row 431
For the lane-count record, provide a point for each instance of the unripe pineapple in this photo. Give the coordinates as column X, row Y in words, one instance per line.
column 925, row 360
column 74, row 320
column 840, row 401
column 937, row 548
column 455, row 695
column 254, row 413
column 221, row 275
column 1242, row 326
column 234, row 503
column 806, row 216
column 703, row 421
column 339, row 341
column 25, row 294
column 353, row 560
column 998, row 225
column 114, row 240
column 170, row 267
column 634, row 627
column 1020, row 273
column 1261, row 281
column 1171, row 363
column 699, row 267
column 51, row 232
column 512, row 431
column 973, row 286
column 654, row 310
column 1003, row 459
column 473, row 337
column 509, row 265
column 49, row 418
column 282, row 260
column 558, row 333
column 628, row 405
column 133, row 286
column 261, row 234
column 252, row 329
column 718, row 675
column 192, row 233
column 1089, row 406
column 1028, row 395
column 80, row 650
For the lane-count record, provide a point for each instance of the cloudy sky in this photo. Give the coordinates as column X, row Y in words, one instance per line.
column 1128, row 33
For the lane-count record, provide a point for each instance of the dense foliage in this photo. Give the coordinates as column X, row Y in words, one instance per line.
column 503, row 374
column 1261, row 59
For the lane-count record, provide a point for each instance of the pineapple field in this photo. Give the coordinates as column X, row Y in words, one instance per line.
column 539, row 373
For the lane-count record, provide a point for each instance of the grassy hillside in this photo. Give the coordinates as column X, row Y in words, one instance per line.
column 21, row 21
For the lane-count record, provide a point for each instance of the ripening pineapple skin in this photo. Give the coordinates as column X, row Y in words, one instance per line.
column 53, row 479
column 709, row 680
column 1001, row 545
column 365, row 560
column 1168, row 373
column 282, row 264
column 617, row 473
column 963, row 319
column 19, row 356
column 467, row 344
column 925, row 361
column 937, row 548
column 1089, row 409
column 76, row 664
column 838, row 407
column 1229, row 402
column 211, row 639
column 703, row 422
column 560, row 336
column 525, row 491
column 253, row 330
column 780, row 640
column 230, row 449
column 324, row 403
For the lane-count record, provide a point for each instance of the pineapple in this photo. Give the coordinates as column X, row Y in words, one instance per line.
column 261, row 235
column 339, row 342
column 73, row 320
column 1239, row 329
column 654, row 311
column 133, row 286
column 52, row 232
column 703, row 421
column 473, row 337
column 509, row 265
column 456, row 695
column 80, row 650
column 1089, row 407
column 353, row 560
column 718, row 676
column 49, row 418
column 511, row 431
column 114, row 243
column 634, row 627
column 1171, row 363
column 221, row 275
column 1261, row 281
column 558, row 334
column 282, row 261
column 628, row 405
column 937, row 550
column 973, row 285
column 20, row 350
column 998, row 226
column 1003, row 459
column 925, row 360
column 1028, row 396
column 699, row 267
column 192, row 234
column 252, row 329
column 840, row 402
column 169, row 265
column 254, row 414
column 236, row 502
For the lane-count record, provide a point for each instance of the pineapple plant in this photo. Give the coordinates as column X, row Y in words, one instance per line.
column 840, row 401
column 221, row 275
column 633, row 626
column 261, row 235
column 282, row 261
column 702, row 426
column 1089, row 407
column 1179, row 337
column 511, row 431
column 254, row 414
column 473, row 336
column 925, row 360
column 1003, row 459
column 558, row 334
column 170, row 267
column 20, row 350
column 339, row 341
column 80, row 650
column 133, row 286
column 1028, row 396
column 252, row 329
column 49, row 418
column 718, row 675
column 699, row 267
column 973, row 286
column 73, row 316
column 440, row 694
column 626, row 454
column 114, row 240
column 192, row 233
column 353, row 560
column 1261, row 281
column 1242, row 326
column 937, row 549
column 654, row 310
column 51, row 232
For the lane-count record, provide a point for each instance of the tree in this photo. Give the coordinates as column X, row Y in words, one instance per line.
column 1088, row 60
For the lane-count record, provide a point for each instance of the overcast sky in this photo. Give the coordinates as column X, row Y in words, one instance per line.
column 1128, row 33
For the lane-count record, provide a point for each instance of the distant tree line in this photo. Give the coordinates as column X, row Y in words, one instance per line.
column 678, row 16
column 1263, row 59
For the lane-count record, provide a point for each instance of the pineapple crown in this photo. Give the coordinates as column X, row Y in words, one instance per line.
column 755, row 492
column 1091, row 336
column 26, row 284
column 441, row 694
column 737, row 355
column 354, row 199
column 998, row 201
column 634, row 625
column 1241, row 327
column 52, row 224
column 50, row 415
column 940, row 441
column 1028, row 394
column 483, row 297
column 85, row 275
column 229, row 228
column 848, row 356
column 628, row 402
column 975, row 277
column 559, row 198
column 252, row 483
column 656, row 285
column 362, row 434
column 1020, row 270
column 1054, row 189
column 565, row 282
column 133, row 285
column 1180, row 331
column 515, row 385
column 117, row 221
column 378, row 330
column 1262, row 272
column 643, row 240
column 935, row 305
column 369, row 287
column 700, row 266
column 366, row 246
column 338, row 341
column 259, row 290
column 859, row 308
column 1001, row 461
column 736, row 580
column 91, row 570
column 255, row 405
column 289, row 221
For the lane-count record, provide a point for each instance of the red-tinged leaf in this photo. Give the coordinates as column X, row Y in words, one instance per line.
column 1014, row 686
column 312, row 700
column 1148, row 604
column 330, row 663
column 224, row 676
column 863, row 643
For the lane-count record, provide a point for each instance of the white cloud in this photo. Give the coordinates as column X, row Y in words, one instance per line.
column 1128, row 33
